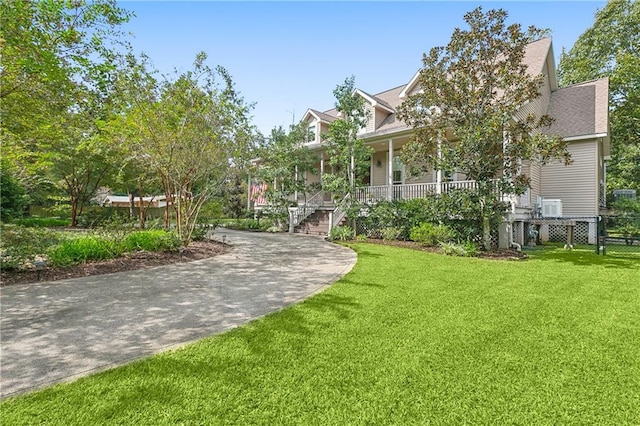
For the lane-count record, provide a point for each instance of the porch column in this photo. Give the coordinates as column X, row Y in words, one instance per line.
column 248, row 192
column 295, row 194
column 321, row 166
column 390, row 172
column 439, row 171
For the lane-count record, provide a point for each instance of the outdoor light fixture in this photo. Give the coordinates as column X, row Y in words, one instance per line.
column 39, row 264
column 181, row 250
column 379, row 163
column 224, row 238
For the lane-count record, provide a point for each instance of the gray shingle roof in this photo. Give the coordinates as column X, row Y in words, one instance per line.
column 580, row 110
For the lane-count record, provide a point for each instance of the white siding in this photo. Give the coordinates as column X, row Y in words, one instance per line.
column 379, row 175
column 577, row 184
column 379, row 117
column 538, row 106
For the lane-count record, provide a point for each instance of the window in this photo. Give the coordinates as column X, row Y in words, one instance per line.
column 398, row 169
column 311, row 133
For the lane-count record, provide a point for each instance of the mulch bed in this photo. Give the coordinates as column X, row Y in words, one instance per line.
column 130, row 261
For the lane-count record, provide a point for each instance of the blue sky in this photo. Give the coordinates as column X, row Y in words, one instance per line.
column 289, row 56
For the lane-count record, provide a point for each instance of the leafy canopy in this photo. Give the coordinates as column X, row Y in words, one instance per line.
column 348, row 155
column 464, row 115
column 611, row 48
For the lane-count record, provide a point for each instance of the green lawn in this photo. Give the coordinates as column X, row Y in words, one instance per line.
column 406, row 338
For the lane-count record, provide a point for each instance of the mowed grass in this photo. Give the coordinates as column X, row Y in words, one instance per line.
column 406, row 338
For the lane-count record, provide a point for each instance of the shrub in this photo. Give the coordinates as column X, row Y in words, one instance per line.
column 468, row 249
column 341, row 233
column 361, row 238
column 152, row 240
column 19, row 245
column 41, row 222
column 453, row 249
column 429, row 234
column 83, row 249
column 471, row 248
column 390, row 233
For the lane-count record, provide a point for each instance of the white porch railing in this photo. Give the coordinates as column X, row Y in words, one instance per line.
column 374, row 194
column 300, row 213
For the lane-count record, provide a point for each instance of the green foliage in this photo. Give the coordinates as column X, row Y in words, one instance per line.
column 285, row 160
column 341, row 233
column 151, row 240
column 19, row 245
column 250, row 224
column 82, row 249
column 471, row 248
column 106, row 217
column 468, row 249
column 12, row 194
column 390, row 233
column 609, row 48
column 474, row 86
column 41, row 222
column 361, row 238
column 459, row 210
column 431, row 235
column 348, row 155
column 193, row 129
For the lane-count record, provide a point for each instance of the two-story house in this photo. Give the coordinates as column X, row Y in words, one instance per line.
column 574, row 192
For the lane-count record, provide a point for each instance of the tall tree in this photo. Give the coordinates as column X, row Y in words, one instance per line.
column 52, row 53
column 285, row 159
column 611, row 48
column 192, row 130
column 463, row 116
column 348, row 155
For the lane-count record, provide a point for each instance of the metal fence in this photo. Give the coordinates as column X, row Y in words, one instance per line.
column 620, row 234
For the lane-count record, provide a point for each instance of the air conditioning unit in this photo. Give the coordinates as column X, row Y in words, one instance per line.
column 551, row 208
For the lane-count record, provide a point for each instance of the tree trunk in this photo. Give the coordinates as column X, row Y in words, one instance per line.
column 74, row 212
column 486, row 232
column 142, row 209
column 131, row 204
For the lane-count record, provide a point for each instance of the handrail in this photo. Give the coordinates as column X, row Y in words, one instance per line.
column 302, row 212
column 338, row 214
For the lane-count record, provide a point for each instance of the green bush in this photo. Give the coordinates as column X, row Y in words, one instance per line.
column 82, row 249
column 458, row 209
column 361, row 238
column 471, row 248
column 41, row 222
column 151, row 240
column 390, row 233
column 341, row 233
column 467, row 249
column 19, row 245
column 453, row 249
column 431, row 235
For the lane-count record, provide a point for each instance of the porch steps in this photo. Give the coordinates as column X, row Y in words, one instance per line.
column 317, row 223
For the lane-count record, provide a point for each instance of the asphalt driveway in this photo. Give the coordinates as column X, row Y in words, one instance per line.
column 58, row 331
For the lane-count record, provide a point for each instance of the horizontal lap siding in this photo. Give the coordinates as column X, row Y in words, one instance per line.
column 577, row 184
column 380, row 116
column 379, row 174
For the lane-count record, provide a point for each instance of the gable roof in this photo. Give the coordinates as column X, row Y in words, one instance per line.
column 535, row 56
column 581, row 110
column 374, row 101
column 320, row 116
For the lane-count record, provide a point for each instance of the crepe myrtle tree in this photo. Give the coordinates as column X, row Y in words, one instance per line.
column 348, row 155
column 464, row 115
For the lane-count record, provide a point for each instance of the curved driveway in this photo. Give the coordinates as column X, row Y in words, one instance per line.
column 58, row 331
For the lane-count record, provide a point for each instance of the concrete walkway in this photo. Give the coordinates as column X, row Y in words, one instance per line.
column 58, row 331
